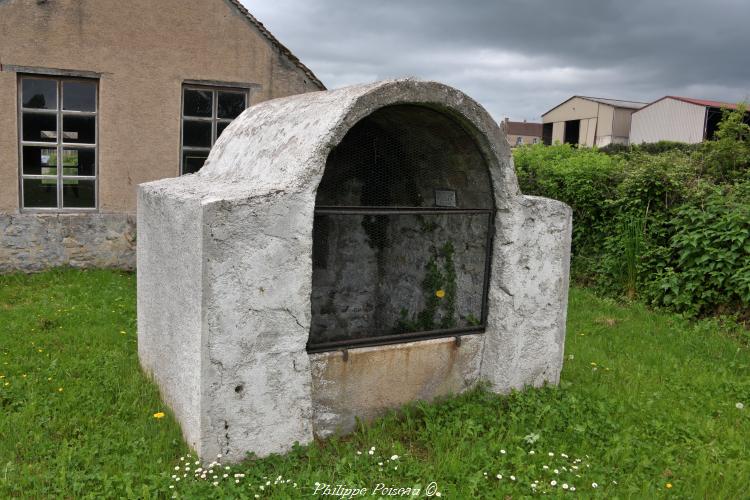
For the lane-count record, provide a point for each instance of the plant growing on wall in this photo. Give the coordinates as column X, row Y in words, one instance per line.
column 439, row 289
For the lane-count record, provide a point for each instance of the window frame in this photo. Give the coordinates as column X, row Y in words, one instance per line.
column 213, row 119
column 59, row 144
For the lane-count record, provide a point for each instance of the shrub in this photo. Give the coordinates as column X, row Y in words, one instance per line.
column 709, row 256
column 582, row 178
column 664, row 222
column 650, row 148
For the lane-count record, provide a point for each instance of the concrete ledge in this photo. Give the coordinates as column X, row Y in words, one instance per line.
column 363, row 384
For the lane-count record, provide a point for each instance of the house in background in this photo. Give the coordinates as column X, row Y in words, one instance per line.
column 680, row 119
column 98, row 97
column 589, row 121
column 520, row 133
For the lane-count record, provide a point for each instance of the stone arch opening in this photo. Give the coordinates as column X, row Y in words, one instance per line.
column 402, row 233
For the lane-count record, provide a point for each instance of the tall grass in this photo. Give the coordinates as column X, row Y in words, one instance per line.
column 632, row 246
column 646, row 400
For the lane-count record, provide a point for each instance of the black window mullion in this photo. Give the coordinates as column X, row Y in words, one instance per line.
column 59, row 160
column 213, row 119
column 19, row 100
column 56, row 146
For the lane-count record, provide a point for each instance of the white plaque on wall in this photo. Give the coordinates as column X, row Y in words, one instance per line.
column 445, row 198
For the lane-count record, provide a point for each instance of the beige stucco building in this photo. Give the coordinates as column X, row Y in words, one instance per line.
column 98, row 96
column 589, row 121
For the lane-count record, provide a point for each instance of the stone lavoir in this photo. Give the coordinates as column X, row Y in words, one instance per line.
column 340, row 254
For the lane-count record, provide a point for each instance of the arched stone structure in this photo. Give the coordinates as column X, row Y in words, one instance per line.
column 225, row 282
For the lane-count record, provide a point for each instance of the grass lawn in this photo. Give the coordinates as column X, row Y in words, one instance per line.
column 647, row 401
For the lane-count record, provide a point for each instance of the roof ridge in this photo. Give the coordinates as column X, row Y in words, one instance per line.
column 275, row 41
column 609, row 99
column 701, row 100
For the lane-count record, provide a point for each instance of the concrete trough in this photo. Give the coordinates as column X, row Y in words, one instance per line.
column 228, row 294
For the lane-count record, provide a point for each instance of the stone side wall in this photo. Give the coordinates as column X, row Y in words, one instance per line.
column 528, row 296
column 33, row 242
column 256, row 285
column 169, row 317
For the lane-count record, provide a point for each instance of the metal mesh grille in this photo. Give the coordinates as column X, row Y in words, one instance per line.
column 386, row 160
column 401, row 237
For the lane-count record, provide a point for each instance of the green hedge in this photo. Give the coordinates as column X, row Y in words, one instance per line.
column 667, row 224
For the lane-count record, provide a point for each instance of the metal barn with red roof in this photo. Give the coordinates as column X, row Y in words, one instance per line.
column 680, row 119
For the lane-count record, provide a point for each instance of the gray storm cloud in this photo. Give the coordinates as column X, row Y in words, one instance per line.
column 521, row 57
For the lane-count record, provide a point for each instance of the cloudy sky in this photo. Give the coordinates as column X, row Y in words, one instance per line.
column 521, row 57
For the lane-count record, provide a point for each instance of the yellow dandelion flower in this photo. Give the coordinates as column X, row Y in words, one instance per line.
column 159, row 414
column 668, row 485
column 59, row 389
column 440, row 294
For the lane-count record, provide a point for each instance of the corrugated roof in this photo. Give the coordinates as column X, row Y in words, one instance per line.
column 609, row 102
column 616, row 102
column 705, row 102
column 284, row 50
column 698, row 102
column 523, row 128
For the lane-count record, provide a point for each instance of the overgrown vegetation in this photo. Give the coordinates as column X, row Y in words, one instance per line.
column 667, row 223
column 650, row 405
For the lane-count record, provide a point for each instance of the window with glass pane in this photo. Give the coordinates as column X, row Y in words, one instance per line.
column 206, row 112
column 58, row 143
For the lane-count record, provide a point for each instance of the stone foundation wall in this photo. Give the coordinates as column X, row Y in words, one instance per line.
column 34, row 242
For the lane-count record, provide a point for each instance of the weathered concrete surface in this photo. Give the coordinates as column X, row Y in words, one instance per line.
column 251, row 218
column 256, row 299
column 170, row 299
column 33, row 242
column 374, row 380
column 528, row 294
